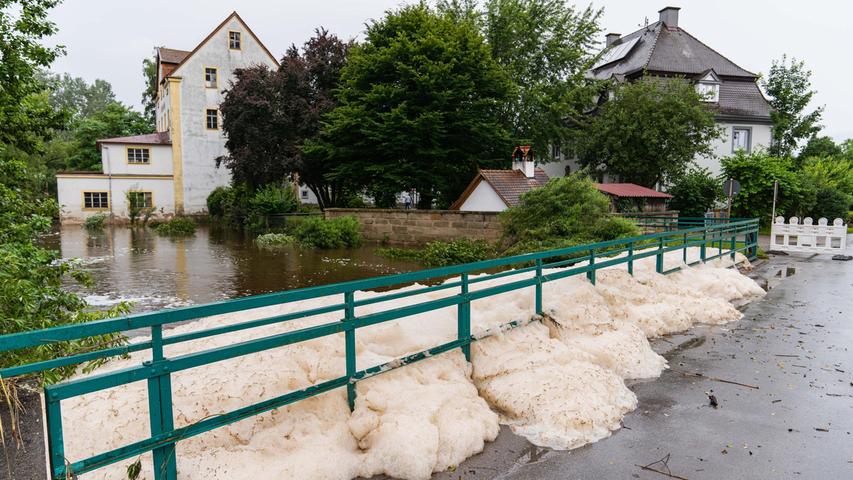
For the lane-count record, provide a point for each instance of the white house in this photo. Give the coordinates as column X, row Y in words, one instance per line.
column 664, row 49
column 173, row 169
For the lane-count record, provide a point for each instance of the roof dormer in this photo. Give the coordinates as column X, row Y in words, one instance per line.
column 708, row 86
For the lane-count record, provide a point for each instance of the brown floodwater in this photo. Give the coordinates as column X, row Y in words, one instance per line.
column 156, row 272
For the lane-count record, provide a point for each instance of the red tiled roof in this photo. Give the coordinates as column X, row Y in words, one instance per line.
column 629, row 190
column 158, row 138
column 508, row 184
column 171, row 55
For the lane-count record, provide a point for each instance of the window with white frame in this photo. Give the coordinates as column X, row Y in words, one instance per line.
column 741, row 139
column 138, row 155
column 210, row 75
column 234, row 40
column 96, row 200
column 710, row 91
column 212, row 119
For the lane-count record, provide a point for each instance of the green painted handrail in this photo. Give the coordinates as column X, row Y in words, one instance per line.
column 561, row 263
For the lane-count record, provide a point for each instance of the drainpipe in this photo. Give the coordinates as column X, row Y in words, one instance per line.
column 105, row 159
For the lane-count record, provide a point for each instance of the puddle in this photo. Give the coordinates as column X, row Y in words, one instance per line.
column 768, row 283
column 532, row 454
column 686, row 345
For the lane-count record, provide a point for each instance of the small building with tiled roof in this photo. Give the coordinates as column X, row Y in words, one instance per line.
column 173, row 169
column 497, row 190
column 665, row 50
column 639, row 198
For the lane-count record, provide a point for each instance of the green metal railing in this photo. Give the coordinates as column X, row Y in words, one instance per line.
column 727, row 238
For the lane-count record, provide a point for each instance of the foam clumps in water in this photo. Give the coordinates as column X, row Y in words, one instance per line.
column 559, row 381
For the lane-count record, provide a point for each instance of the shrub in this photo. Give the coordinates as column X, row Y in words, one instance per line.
column 694, row 193
column 270, row 200
column 178, row 226
column 566, row 211
column 463, row 250
column 830, row 203
column 337, row 232
column 218, row 200
column 272, row 240
column 96, row 221
column 756, row 173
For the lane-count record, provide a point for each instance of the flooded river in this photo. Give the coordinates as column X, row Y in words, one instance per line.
column 155, row 272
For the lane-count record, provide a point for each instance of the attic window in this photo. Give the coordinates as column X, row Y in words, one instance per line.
column 710, row 91
column 234, row 40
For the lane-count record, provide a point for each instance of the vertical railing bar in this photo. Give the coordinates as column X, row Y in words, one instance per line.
column 463, row 319
column 659, row 257
column 55, row 442
column 631, row 258
column 349, row 339
column 590, row 274
column 538, row 300
column 160, row 409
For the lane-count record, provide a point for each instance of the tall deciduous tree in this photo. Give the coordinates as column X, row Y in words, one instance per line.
column 420, row 103
column 25, row 117
column 78, row 97
column 149, row 95
column 789, row 89
column 268, row 115
column 546, row 47
column 115, row 120
column 649, row 132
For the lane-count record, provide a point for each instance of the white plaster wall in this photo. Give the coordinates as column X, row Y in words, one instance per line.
column 201, row 147
column 557, row 168
column 761, row 135
column 70, row 190
column 483, row 199
column 114, row 160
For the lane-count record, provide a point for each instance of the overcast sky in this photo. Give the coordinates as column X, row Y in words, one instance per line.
column 108, row 38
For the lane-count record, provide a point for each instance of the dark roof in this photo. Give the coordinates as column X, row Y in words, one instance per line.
column 670, row 50
column 629, row 190
column 741, row 99
column 171, row 55
column 158, row 138
column 508, row 184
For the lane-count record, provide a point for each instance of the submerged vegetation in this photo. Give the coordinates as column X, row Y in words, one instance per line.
column 177, row 227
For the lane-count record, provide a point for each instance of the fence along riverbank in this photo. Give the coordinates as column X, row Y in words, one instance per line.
column 715, row 240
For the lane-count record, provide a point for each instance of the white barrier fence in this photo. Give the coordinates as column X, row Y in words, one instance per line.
column 806, row 237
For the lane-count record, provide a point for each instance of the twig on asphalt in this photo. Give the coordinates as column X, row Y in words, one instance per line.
column 716, row 379
column 665, row 462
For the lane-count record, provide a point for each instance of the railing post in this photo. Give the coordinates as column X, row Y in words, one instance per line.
column 160, row 408
column 684, row 249
column 702, row 253
column 590, row 274
column 659, row 257
column 55, row 442
column 463, row 319
column 538, row 300
column 734, row 245
column 349, row 339
column 631, row 258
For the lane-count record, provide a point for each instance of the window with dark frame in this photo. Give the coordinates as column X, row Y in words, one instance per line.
column 138, row 155
column 212, row 119
column 210, row 77
column 96, row 200
column 234, row 40
column 141, row 199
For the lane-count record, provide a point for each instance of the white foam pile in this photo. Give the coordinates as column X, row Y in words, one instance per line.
column 559, row 382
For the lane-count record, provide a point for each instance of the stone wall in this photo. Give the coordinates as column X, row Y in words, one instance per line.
column 416, row 227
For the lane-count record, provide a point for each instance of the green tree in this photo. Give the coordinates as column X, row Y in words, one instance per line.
column 819, row 147
column 116, row 120
column 420, row 105
column 566, row 211
column 649, row 132
column 695, row 192
column 79, row 98
column 789, row 89
column 149, row 95
column 25, row 115
column 269, row 115
column 546, row 47
column 756, row 173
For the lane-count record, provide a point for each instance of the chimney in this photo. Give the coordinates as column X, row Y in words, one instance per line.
column 611, row 38
column 522, row 160
column 669, row 16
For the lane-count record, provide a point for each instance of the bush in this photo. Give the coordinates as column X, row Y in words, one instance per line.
column 218, row 201
column 566, row 211
column 756, row 173
column 272, row 240
column 178, row 226
column 96, row 221
column 270, row 200
column 830, row 203
column 694, row 193
column 439, row 253
column 337, row 232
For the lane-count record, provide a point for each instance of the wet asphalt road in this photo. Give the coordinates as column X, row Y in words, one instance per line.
column 795, row 345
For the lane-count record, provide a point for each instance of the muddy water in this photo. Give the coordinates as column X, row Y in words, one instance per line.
column 156, row 272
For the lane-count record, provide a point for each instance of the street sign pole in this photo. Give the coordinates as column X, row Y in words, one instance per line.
column 775, row 195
